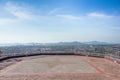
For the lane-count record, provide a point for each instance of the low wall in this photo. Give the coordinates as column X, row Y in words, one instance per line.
column 27, row 55
column 18, row 56
column 96, row 56
column 113, row 59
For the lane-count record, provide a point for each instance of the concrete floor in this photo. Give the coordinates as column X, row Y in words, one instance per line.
column 61, row 68
column 52, row 64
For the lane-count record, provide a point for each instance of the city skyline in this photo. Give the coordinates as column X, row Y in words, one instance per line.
column 43, row 21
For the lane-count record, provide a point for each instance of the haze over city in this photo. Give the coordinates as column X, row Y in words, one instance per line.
column 24, row 21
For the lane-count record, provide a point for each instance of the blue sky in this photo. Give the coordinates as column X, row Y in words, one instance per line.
column 24, row 21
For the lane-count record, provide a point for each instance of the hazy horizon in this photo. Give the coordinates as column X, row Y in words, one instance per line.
column 46, row 21
column 87, row 42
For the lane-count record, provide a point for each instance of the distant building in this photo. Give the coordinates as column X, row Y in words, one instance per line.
column 116, row 50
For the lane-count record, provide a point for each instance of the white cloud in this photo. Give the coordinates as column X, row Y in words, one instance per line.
column 89, row 16
column 54, row 25
column 69, row 17
column 55, row 11
column 19, row 12
column 6, row 21
column 98, row 15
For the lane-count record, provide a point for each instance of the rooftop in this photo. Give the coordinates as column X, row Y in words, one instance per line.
column 62, row 67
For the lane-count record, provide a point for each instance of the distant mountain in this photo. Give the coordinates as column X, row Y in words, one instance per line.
column 70, row 43
column 59, row 43
column 96, row 42
column 2, row 45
